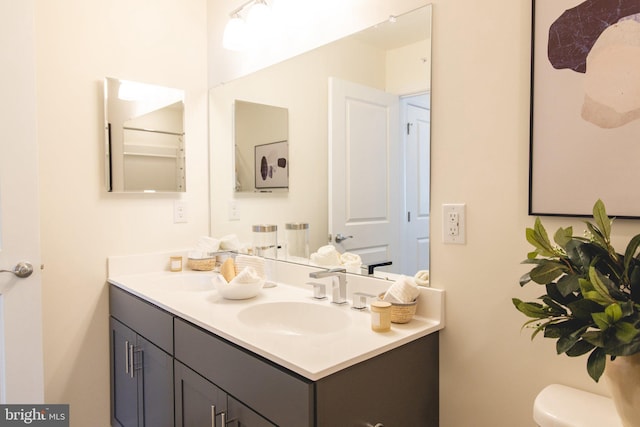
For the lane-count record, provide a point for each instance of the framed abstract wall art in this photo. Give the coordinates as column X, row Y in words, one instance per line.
column 585, row 107
column 272, row 165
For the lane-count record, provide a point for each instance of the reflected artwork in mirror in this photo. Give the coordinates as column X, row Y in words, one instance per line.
column 261, row 147
column 144, row 137
column 359, row 137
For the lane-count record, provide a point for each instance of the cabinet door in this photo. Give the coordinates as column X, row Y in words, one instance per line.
column 198, row 402
column 242, row 416
column 155, row 384
column 124, row 384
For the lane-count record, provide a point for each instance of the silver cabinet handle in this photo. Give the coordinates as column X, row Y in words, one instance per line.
column 126, row 357
column 340, row 238
column 223, row 419
column 131, row 361
column 22, row 270
column 213, row 415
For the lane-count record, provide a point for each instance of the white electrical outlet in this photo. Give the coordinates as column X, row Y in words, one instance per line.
column 179, row 211
column 453, row 223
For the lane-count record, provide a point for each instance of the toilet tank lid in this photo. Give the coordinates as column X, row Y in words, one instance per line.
column 561, row 406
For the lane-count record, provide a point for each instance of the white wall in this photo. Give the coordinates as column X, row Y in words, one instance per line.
column 490, row 372
column 78, row 43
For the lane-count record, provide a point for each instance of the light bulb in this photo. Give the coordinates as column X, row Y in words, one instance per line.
column 235, row 34
column 259, row 24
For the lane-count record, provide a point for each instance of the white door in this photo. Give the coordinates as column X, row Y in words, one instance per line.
column 365, row 171
column 21, row 370
column 417, row 180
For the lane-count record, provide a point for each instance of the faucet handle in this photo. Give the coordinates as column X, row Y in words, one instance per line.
column 319, row 290
column 360, row 300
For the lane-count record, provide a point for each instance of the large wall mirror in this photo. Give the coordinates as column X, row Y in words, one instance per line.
column 359, row 138
column 144, row 137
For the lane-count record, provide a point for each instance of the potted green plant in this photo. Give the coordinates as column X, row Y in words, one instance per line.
column 591, row 300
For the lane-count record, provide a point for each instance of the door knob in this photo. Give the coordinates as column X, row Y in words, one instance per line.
column 340, row 238
column 22, row 270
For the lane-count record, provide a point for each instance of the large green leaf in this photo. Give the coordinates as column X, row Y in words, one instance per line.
column 602, row 220
column 596, row 363
column 582, row 309
column 547, row 272
column 601, row 320
column 530, row 309
column 568, row 284
column 598, row 285
column 566, row 342
column 594, row 337
column 581, row 347
column 563, row 236
column 565, row 328
column 597, row 235
column 539, row 238
column 626, row 332
column 613, row 312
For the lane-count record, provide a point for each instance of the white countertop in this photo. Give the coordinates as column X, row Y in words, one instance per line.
column 313, row 355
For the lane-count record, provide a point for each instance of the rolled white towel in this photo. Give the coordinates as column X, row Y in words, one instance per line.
column 350, row 259
column 207, row 244
column 230, row 242
column 247, row 275
column 352, row 262
column 255, row 262
column 422, row 278
column 326, row 255
column 403, row 291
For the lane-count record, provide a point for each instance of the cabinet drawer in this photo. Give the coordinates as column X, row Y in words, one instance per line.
column 283, row 398
column 153, row 323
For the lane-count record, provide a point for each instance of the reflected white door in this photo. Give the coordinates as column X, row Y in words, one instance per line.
column 417, row 180
column 21, row 371
column 365, row 171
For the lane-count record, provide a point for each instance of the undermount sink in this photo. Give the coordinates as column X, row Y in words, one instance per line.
column 185, row 283
column 294, row 318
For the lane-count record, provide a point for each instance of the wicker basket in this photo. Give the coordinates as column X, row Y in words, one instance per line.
column 402, row 313
column 205, row 264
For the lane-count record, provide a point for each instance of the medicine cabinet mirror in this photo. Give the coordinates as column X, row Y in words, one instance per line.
column 144, row 137
column 261, row 147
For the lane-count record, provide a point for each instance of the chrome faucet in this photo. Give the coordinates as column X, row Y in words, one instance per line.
column 339, row 292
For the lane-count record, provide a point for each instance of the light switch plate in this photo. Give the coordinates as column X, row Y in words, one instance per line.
column 234, row 213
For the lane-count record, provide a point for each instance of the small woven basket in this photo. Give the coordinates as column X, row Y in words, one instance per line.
column 401, row 313
column 205, row 264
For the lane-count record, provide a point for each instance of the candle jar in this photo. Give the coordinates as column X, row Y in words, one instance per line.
column 265, row 240
column 297, row 240
column 175, row 263
column 381, row 316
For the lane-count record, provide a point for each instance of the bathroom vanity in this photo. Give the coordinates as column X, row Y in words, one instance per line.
column 181, row 355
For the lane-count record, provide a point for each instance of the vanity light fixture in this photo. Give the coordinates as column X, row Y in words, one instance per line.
column 235, row 34
column 240, row 33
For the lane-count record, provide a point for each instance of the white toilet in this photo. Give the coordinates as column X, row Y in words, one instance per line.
column 561, row 406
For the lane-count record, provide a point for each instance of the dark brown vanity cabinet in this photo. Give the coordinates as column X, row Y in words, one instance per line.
column 217, row 383
column 141, row 371
column 396, row 388
column 200, row 403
